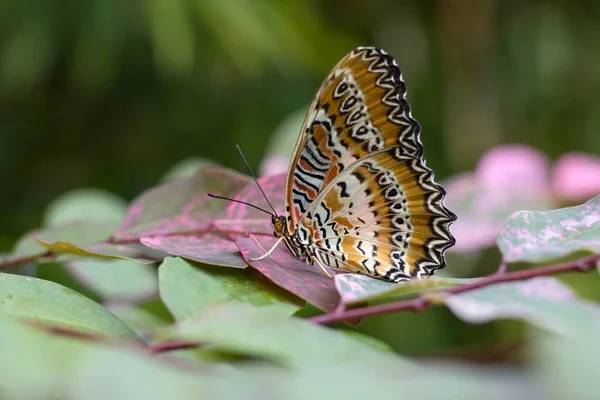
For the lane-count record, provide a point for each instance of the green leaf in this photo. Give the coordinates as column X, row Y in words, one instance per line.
column 566, row 366
column 50, row 303
column 85, row 204
column 131, row 252
column 543, row 301
column 533, row 236
column 272, row 334
column 143, row 322
column 81, row 238
column 116, row 280
column 79, row 233
column 187, row 289
column 354, row 288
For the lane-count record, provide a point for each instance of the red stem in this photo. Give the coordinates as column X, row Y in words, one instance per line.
column 171, row 345
column 422, row 302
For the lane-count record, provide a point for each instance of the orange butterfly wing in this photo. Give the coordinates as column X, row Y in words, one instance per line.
column 357, row 185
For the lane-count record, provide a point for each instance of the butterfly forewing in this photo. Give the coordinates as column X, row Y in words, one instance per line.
column 359, row 195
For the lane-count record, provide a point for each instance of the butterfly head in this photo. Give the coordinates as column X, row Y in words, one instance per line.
column 278, row 225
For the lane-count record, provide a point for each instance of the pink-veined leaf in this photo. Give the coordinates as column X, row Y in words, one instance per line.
column 534, row 236
column 207, row 248
column 282, row 268
column 355, row 288
column 180, row 205
column 239, row 217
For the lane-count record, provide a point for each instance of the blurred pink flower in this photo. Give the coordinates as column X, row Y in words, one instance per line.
column 507, row 178
column 576, row 177
column 273, row 164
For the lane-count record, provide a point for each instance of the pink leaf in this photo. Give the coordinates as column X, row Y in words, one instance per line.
column 239, row 217
column 208, row 248
column 181, row 205
column 282, row 268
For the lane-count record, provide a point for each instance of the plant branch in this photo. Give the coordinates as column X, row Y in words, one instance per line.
column 425, row 300
column 171, row 346
column 15, row 261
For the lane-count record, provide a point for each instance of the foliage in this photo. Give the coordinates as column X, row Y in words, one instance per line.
column 231, row 324
column 147, row 288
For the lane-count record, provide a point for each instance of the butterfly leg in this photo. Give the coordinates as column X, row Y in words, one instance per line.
column 322, row 267
column 268, row 253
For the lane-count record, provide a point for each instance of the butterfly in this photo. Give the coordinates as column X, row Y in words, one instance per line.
column 359, row 197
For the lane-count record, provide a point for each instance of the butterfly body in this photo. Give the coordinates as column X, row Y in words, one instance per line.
column 359, row 196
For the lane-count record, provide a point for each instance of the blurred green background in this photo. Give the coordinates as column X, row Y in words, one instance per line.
column 112, row 93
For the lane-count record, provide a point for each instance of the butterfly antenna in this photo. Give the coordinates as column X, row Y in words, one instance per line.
column 214, row 196
column 254, row 176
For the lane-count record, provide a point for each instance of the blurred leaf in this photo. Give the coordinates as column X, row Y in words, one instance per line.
column 272, row 334
column 34, row 364
column 37, row 365
column 79, row 233
column 85, row 204
column 565, row 366
column 305, row 281
column 144, row 323
column 368, row 340
column 186, row 168
column 207, row 248
column 50, row 303
column 541, row 301
column 239, row 217
column 118, row 280
column 100, row 250
column 354, row 288
column 187, row 289
column 181, row 205
column 542, row 236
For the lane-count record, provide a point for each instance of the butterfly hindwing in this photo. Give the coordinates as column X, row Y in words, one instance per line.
column 358, row 191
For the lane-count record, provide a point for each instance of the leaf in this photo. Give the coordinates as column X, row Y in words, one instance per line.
column 207, row 248
column 38, row 365
column 271, row 334
column 100, row 250
column 566, row 365
column 297, row 277
column 541, row 301
column 187, row 289
column 355, row 288
column 239, row 217
column 79, row 233
column 118, row 280
column 50, row 303
column 85, row 204
column 186, row 168
column 532, row 236
column 181, row 205
column 143, row 322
